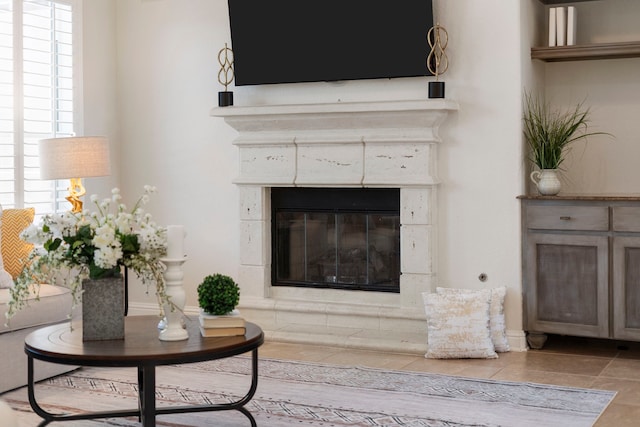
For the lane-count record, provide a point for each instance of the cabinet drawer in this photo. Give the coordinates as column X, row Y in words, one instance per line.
column 626, row 218
column 595, row 218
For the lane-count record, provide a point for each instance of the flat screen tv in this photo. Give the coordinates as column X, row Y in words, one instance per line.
column 291, row 41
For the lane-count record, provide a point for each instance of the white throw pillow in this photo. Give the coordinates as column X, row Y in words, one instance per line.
column 458, row 325
column 6, row 281
column 497, row 323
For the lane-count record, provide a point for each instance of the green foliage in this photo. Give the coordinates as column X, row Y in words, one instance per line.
column 218, row 294
column 550, row 132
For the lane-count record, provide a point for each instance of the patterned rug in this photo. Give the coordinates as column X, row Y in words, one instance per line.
column 309, row 394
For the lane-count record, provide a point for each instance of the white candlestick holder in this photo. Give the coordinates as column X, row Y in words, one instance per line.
column 173, row 327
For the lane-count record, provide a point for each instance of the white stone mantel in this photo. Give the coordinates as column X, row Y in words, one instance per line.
column 339, row 115
column 345, row 144
column 356, row 144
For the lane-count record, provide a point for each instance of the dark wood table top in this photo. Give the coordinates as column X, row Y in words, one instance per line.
column 141, row 345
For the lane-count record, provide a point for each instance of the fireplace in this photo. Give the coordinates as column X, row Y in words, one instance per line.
column 339, row 238
column 388, row 146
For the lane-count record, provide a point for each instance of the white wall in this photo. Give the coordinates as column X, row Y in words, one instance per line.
column 100, row 113
column 481, row 158
column 167, row 84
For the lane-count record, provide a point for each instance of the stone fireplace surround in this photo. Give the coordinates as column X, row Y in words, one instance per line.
column 364, row 144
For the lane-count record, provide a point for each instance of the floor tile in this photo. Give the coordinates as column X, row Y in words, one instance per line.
column 623, row 369
column 617, row 415
column 628, row 390
column 564, row 363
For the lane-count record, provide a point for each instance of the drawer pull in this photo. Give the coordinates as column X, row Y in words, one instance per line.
column 565, row 218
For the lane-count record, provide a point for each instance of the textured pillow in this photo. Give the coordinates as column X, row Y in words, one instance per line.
column 6, row 281
column 497, row 324
column 458, row 326
column 14, row 249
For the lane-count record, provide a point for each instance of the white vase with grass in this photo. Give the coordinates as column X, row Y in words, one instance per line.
column 549, row 134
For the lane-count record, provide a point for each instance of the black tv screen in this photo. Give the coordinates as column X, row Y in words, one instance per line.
column 290, row 41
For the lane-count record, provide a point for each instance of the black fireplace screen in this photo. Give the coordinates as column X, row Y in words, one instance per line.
column 336, row 238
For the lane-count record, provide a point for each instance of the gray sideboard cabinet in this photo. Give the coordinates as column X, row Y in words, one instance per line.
column 581, row 266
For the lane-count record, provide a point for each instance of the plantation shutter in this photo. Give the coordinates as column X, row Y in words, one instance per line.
column 7, row 151
column 37, row 73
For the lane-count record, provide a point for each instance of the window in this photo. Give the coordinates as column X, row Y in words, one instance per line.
column 38, row 74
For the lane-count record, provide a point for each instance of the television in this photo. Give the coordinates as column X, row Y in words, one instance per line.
column 293, row 41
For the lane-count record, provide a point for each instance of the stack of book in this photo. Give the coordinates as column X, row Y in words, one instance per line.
column 562, row 26
column 221, row 326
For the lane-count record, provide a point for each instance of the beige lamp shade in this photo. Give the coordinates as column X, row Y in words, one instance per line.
column 74, row 157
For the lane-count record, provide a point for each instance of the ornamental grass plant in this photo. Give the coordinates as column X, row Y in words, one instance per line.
column 549, row 132
column 70, row 247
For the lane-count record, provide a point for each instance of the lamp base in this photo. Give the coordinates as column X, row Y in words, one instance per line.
column 436, row 89
column 76, row 190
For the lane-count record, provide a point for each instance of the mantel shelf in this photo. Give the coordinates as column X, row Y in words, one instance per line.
column 587, row 52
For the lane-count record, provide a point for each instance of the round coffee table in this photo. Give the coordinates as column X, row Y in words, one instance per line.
column 141, row 349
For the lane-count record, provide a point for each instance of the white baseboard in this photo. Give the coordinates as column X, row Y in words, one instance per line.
column 517, row 340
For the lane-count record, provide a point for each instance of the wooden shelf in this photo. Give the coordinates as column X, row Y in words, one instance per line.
column 587, row 52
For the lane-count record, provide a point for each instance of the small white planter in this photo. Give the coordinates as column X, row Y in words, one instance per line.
column 547, row 181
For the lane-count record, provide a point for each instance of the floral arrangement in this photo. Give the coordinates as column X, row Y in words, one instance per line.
column 70, row 247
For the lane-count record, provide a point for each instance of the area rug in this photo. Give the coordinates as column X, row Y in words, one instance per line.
column 311, row 394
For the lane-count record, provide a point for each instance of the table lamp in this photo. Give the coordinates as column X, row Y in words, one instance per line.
column 74, row 158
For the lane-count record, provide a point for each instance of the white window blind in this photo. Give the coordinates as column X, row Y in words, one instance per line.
column 36, row 85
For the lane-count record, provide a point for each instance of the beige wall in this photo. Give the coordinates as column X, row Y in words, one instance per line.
column 162, row 69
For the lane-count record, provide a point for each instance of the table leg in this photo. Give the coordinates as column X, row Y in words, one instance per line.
column 147, row 386
column 237, row 405
column 48, row 417
column 32, row 395
column 140, row 386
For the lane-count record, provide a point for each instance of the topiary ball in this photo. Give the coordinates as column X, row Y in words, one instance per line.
column 218, row 294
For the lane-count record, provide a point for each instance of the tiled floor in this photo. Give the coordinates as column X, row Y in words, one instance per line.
column 599, row 364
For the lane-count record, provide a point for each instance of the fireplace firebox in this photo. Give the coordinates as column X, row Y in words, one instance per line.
column 339, row 238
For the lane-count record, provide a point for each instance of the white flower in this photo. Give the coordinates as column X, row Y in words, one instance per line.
column 104, row 236
column 124, row 222
column 107, row 257
column 33, row 234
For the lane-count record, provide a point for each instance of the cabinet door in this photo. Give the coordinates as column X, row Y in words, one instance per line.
column 566, row 287
column 626, row 288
